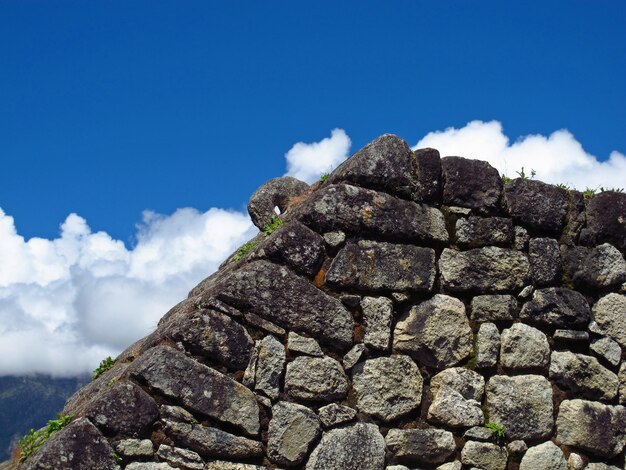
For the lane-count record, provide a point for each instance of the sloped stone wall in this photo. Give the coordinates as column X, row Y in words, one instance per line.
column 406, row 302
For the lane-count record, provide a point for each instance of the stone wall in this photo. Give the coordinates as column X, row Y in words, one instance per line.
column 412, row 311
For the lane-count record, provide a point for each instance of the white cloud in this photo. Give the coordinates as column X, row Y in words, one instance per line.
column 308, row 162
column 557, row 158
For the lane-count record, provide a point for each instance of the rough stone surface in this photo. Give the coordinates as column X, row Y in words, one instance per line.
column 378, row 266
column 387, row 387
column 377, row 315
column 149, row 466
column 521, row 238
column 556, row 306
column 335, row 239
column 622, row 383
column 428, row 171
column 270, row 364
column 607, row 349
column 353, row 356
column 522, row 404
column 479, row 433
column 545, row 261
column 435, row 333
column 334, row 415
column 316, row 379
column 523, row 347
column 571, row 336
column 471, row 183
column 546, row 456
column 275, row 193
column 223, row 465
column 494, row 308
column 601, row 466
column 490, row 270
column 456, row 465
column 487, row 345
column 449, row 408
column 294, row 302
column 583, row 375
column 608, row 313
column 599, row 268
column 470, row 384
column 199, row 388
column 291, row 432
column 537, row 205
column 575, row 462
column 575, row 220
column 516, row 448
column 422, row 446
column 594, row 427
column 180, row 458
column 300, row 344
column 484, row 455
column 476, row 232
column 357, row 447
column 606, row 220
column 135, row 448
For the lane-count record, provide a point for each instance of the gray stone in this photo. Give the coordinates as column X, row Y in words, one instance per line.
column 449, row 408
column 334, row 239
column 470, row 384
column 523, row 347
column 149, row 466
column 545, row 261
column 487, row 345
column 353, row 356
column 255, row 321
column 609, row 314
column 607, row 349
column 602, row 267
column 594, row 427
column 517, row 448
column 180, row 458
column 494, row 308
column 269, row 366
column 622, row 383
column 379, row 266
column 422, row 446
column 521, row 238
column 197, row 387
column 522, row 405
column 489, row 270
column 556, row 306
column 397, row 467
column 575, row 221
column 351, row 301
column 476, row 232
column 78, row 446
column 334, row 414
column 276, row 294
column 292, row 430
column 428, row 171
column 316, row 379
column 211, row 442
column 479, row 433
column 606, row 220
column 471, row 183
column 456, row 465
column 377, row 316
column 302, row 345
column 223, row 465
column 371, row 213
column 571, row 336
column 176, row 413
column 357, row 447
column 387, row 387
column 275, row 193
column 575, row 462
column 583, row 376
column 435, row 332
column 546, row 456
column 525, row 292
column 537, row 205
column 484, row 455
column 459, row 211
column 600, row 466
column 400, row 297
column 135, row 448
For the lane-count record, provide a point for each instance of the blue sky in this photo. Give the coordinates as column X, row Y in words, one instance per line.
column 112, row 108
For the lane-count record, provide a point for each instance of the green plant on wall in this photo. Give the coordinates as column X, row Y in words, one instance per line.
column 105, row 365
column 274, row 224
column 35, row 439
column 497, row 430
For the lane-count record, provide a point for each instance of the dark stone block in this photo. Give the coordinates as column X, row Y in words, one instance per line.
column 471, row 183
column 536, row 204
column 606, row 220
column 428, row 170
column 557, row 306
column 545, row 261
column 476, row 232
column 275, row 193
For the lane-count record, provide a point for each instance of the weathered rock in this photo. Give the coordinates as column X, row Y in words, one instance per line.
column 79, row 446
column 601, row 466
column 449, row 408
column 546, row 456
column 575, row 462
column 470, row 384
column 456, row 465
column 212, row 442
column 526, row 292
column 294, row 303
column 275, row 193
column 608, row 313
column 269, row 367
column 387, row 387
column 494, row 308
column 423, row 446
column 135, row 448
column 334, row 239
column 583, row 375
column 522, row 404
column 523, row 347
column 536, row 204
column 545, row 261
column 479, row 433
column 334, row 415
column 378, row 266
column 428, row 172
column 516, row 448
column 571, row 336
column 255, row 321
column 594, row 427
column 358, row 447
column 366, row 212
column 602, row 267
column 471, row 183
column 316, row 379
column 574, row 220
column 176, row 413
column 353, row 356
column 435, row 332
column 291, row 432
column 149, row 466
column 197, row 387
column 606, row 220
column 607, row 349
column 377, row 315
column 223, row 465
column 487, row 345
column 180, row 458
column 521, row 238
column 483, row 270
column 302, row 345
column 556, row 306
column 622, row 383
column 123, row 410
column 476, row 232
column 484, row 455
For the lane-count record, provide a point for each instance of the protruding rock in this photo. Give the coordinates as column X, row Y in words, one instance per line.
column 484, row 455
column 180, row 458
column 602, row 267
column 487, row 345
column 428, row 172
column 275, row 193
column 316, row 379
column 521, row 237
column 358, row 447
column 135, row 448
column 436, row 332
column 536, row 204
column 470, row 384
column 334, row 239
column 557, row 306
column 591, row 426
column 494, row 308
column 387, row 387
column 300, row 344
column 377, row 315
column 483, row 270
column 608, row 313
column 377, row 266
column 545, row 261
column 471, row 183
column 607, row 349
column 422, row 446
column 476, row 232
column 449, row 408
column 334, row 415
column 292, row 430
column 353, row 356
column 606, row 220
column 583, row 375
column 523, row 347
column 622, row 383
column 571, row 336
column 546, row 456
column 269, row 367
